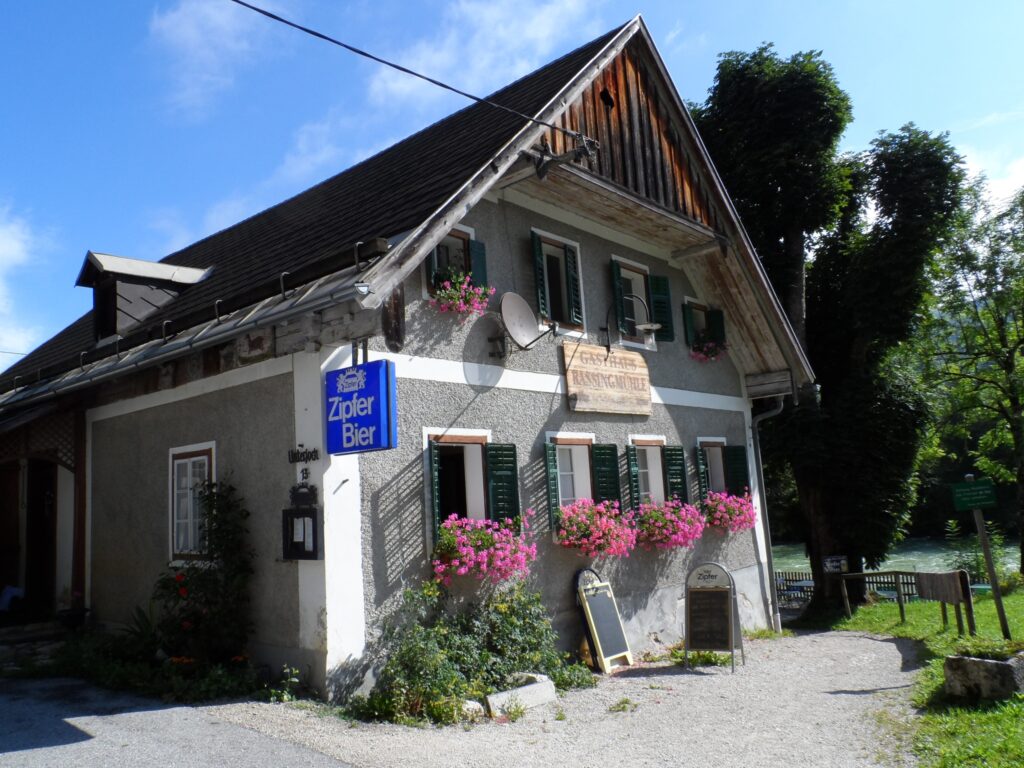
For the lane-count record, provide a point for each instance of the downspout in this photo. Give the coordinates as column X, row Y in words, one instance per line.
column 772, row 586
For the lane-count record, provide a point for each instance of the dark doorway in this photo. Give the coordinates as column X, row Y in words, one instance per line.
column 40, row 537
column 452, row 481
column 10, row 530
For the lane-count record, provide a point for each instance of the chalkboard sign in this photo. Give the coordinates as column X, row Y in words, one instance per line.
column 712, row 615
column 611, row 648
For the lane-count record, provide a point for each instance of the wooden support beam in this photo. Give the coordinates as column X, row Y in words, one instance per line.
column 707, row 248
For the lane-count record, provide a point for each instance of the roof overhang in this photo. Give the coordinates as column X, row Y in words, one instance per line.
column 97, row 265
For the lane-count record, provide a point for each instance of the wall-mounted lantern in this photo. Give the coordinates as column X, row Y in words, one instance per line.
column 299, row 525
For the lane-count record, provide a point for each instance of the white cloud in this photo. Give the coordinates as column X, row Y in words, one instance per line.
column 17, row 242
column 208, row 42
column 483, row 44
column 1003, row 170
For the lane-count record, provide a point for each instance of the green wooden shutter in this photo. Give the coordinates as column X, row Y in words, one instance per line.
column 604, row 472
column 673, row 458
column 634, row 476
column 688, row 325
column 619, row 298
column 661, row 307
column 703, row 473
column 432, row 277
column 434, row 464
column 551, row 471
column 478, row 262
column 716, row 325
column 540, row 275
column 573, row 291
column 502, row 481
column 734, row 466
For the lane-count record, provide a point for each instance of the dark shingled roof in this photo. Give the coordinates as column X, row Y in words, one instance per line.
column 383, row 196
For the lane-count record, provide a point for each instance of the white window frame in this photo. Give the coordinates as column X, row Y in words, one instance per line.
column 571, row 333
column 641, row 270
column 714, row 460
column 426, row 285
column 176, row 455
column 578, row 443
column 650, row 447
column 476, row 480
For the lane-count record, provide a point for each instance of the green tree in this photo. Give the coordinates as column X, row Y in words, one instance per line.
column 875, row 221
column 973, row 341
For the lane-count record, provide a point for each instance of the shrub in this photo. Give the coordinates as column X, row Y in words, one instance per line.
column 725, row 512
column 484, row 549
column 204, row 605
column 440, row 658
column 668, row 525
column 596, row 528
column 965, row 552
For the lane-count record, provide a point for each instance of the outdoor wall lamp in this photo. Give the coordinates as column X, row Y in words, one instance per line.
column 647, row 329
column 363, row 289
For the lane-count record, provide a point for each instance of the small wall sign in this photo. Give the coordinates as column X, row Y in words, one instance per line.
column 601, row 382
column 836, row 564
column 362, row 408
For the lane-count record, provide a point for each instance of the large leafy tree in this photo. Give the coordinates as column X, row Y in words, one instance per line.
column 875, row 221
column 973, row 341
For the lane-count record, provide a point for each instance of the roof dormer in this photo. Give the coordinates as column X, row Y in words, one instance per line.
column 127, row 291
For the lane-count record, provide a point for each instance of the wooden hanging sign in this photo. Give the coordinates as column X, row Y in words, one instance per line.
column 599, row 381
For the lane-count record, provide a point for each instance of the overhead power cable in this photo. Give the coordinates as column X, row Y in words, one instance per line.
column 9, row 352
column 586, row 141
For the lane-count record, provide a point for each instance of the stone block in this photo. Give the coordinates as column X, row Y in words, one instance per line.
column 971, row 678
column 535, row 690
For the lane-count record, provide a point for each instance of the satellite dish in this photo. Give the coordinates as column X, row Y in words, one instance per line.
column 519, row 320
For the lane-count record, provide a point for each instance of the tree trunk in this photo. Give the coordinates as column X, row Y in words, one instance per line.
column 794, row 301
column 820, row 542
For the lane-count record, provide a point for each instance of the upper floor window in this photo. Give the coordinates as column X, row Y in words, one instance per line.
column 457, row 253
column 702, row 323
column 191, row 467
column 557, row 274
column 634, row 287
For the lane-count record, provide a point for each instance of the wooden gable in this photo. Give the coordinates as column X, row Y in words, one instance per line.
column 644, row 146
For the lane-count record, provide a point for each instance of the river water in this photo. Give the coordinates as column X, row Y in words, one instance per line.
column 909, row 555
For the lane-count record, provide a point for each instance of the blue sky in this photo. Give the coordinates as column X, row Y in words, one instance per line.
column 135, row 127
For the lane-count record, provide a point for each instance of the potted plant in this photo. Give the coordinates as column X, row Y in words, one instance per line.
column 726, row 513
column 596, row 528
column 458, row 295
column 706, row 348
column 483, row 549
column 668, row 524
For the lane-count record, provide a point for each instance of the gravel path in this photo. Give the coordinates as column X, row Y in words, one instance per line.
column 811, row 700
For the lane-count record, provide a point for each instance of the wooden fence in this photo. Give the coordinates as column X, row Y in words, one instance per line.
column 796, row 588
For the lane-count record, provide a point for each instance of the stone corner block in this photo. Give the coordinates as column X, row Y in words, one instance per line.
column 971, row 678
column 535, row 690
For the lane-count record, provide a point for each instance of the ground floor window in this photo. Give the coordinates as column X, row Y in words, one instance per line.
column 579, row 468
column 190, row 468
column 657, row 472
column 469, row 476
column 721, row 468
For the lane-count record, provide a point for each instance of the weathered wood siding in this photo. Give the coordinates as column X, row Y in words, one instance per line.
column 642, row 147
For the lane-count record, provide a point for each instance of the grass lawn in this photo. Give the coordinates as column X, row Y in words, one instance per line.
column 953, row 734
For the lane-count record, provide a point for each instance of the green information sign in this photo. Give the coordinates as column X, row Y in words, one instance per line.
column 980, row 494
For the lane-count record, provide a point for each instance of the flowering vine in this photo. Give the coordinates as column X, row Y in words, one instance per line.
column 668, row 524
column 484, row 549
column 458, row 295
column 725, row 512
column 596, row 528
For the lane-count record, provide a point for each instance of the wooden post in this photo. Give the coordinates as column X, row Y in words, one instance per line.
column 846, row 596
column 968, row 601
column 959, row 619
column 899, row 598
column 979, row 523
column 945, row 616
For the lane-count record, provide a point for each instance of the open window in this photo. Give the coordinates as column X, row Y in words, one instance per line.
column 579, row 468
column 471, row 477
column 191, row 467
column 556, row 271
column 457, row 253
column 656, row 471
column 630, row 281
column 721, row 467
column 702, row 323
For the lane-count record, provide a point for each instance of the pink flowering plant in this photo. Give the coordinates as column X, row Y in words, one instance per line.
column 706, row 349
column 668, row 524
column 727, row 513
column 483, row 549
column 457, row 294
column 596, row 528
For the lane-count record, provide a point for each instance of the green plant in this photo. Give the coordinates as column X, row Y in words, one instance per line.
column 767, row 634
column 988, row 648
column 286, row 687
column 514, row 709
column 204, row 606
column 560, row 714
column 700, row 658
column 438, row 657
column 965, row 551
column 624, row 704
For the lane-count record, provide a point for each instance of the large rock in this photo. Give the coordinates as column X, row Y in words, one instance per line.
column 971, row 678
column 536, row 689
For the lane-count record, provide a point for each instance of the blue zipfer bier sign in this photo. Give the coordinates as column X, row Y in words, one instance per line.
column 362, row 408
